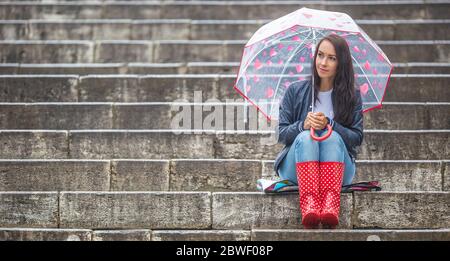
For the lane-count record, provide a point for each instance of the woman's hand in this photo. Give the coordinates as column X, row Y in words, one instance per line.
column 317, row 121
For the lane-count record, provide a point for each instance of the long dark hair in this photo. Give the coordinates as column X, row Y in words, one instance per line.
column 344, row 81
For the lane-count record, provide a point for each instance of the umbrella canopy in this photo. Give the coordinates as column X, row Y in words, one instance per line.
column 281, row 53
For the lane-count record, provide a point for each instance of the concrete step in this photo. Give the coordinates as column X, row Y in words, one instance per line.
column 119, row 51
column 350, row 235
column 182, row 88
column 228, row 116
column 45, row 234
column 131, row 209
column 72, row 116
column 232, row 210
column 183, row 29
column 88, row 68
column 198, row 174
column 395, row 175
column 178, row 68
column 163, row 144
column 220, row 210
column 219, row 10
column 122, row 235
column 201, row 235
column 233, row 67
column 54, row 234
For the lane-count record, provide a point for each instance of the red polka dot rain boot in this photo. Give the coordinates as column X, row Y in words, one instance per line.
column 330, row 183
column 308, row 185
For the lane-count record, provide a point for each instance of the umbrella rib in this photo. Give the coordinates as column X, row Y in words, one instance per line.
column 319, row 31
column 288, row 36
column 367, row 78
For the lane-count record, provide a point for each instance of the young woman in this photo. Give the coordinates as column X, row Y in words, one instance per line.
column 321, row 168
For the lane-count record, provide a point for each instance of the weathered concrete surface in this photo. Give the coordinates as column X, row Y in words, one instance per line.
column 156, row 68
column 73, row 51
column 183, row 51
column 245, row 210
column 402, row 210
column 54, row 175
column 18, row 30
column 79, row 30
column 117, row 52
column 407, row 145
column 56, row 30
column 168, row 115
column 160, row 30
column 222, row 68
column 446, row 175
column 200, row 235
column 163, row 144
column 243, row 144
column 223, row 51
column 76, row 68
column 218, row 116
column 56, row 116
column 418, row 89
column 45, row 10
column 422, row 68
column 33, row 144
column 402, row 30
column 235, row 9
column 140, row 175
column 184, row 29
column 426, row 116
column 139, row 144
column 163, row 210
column 135, row 116
column 377, row 145
column 183, row 88
column 42, row 234
column 407, row 52
column 122, row 235
column 350, row 235
column 115, row 88
column 401, row 176
column 46, row 51
column 196, row 175
column 267, row 169
column 402, row 88
column 9, row 68
column 162, row 116
column 38, row 88
column 173, row 88
column 215, row 175
column 29, row 209
column 159, row 88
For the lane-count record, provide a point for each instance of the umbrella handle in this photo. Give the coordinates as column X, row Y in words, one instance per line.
column 314, row 137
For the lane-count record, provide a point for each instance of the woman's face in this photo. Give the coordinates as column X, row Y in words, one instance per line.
column 326, row 61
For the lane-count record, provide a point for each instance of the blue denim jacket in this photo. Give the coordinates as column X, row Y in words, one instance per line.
column 294, row 108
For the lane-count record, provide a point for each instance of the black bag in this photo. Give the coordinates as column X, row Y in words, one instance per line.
column 362, row 186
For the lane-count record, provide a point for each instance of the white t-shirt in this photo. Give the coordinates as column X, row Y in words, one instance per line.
column 325, row 104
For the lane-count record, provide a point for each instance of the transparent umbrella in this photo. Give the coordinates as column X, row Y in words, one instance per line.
column 280, row 53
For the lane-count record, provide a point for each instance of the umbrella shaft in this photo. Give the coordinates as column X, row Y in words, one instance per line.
column 313, row 50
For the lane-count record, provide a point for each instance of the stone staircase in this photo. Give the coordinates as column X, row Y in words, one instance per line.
column 89, row 91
